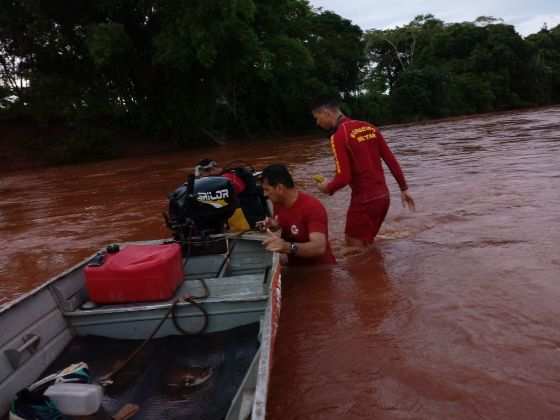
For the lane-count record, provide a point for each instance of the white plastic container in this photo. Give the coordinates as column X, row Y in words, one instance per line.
column 76, row 399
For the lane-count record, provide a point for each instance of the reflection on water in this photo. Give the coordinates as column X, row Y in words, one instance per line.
column 454, row 314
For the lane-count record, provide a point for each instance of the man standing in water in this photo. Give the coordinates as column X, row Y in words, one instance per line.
column 299, row 227
column 358, row 148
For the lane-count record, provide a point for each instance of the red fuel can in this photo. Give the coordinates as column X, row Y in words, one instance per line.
column 137, row 273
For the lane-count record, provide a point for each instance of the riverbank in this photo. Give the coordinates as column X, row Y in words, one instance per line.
column 25, row 145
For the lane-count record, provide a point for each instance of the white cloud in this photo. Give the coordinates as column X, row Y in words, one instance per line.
column 534, row 24
column 527, row 17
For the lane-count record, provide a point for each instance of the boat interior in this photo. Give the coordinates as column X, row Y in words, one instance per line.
column 174, row 375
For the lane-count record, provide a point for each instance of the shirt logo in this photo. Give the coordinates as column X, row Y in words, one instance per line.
column 363, row 134
column 294, row 230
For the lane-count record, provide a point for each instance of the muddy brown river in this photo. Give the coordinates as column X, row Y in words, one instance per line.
column 455, row 314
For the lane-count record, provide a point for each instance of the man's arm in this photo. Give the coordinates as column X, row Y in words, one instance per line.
column 391, row 161
column 342, row 161
column 315, row 247
column 317, row 226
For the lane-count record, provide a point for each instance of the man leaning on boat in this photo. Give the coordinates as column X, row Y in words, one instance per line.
column 299, row 227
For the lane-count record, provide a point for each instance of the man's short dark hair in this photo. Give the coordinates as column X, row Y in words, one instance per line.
column 277, row 174
column 205, row 162
column 331, row 102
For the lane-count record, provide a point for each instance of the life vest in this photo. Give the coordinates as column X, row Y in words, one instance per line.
column 251, row 199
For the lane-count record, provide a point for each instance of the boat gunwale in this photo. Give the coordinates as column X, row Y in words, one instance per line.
column 268, row 340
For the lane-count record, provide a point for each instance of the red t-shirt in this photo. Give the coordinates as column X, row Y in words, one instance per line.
column 305, row 216
column 358, row 148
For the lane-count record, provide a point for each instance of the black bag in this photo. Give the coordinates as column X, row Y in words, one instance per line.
column 252, row 199
column 202, row 206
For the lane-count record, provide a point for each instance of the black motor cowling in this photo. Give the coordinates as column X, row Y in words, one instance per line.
column 201, row 207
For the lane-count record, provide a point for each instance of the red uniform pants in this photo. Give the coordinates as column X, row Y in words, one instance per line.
column 364, row 220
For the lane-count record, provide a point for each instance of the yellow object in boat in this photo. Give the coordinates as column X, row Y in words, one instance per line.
column 238, row 222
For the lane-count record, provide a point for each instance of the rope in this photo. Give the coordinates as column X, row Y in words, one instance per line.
column 176, row 322
column 106, row 380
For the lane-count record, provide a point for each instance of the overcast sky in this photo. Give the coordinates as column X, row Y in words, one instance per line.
column 528, row 16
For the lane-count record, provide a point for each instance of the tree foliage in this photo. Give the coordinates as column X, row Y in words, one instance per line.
column 185, row 70
column 429, row 69
column 199, row 69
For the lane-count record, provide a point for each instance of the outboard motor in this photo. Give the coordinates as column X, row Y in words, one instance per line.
column 201, row 207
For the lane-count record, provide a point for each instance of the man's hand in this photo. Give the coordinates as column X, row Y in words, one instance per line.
column 268, row 223
column 407, row 200
column 274, row 243
column 322, row 186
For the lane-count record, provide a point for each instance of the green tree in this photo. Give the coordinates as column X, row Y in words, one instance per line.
column 205, row 69
column 545, row 65
column 431, row 69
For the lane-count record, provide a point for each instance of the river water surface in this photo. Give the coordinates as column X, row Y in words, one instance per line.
column 455, row 314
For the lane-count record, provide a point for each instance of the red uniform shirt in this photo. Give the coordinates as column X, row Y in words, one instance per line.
column 358, row 148
column 306, row 215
